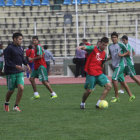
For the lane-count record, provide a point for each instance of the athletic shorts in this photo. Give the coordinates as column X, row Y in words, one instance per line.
column 40, row 73
column 91, row 81
column 13, row 80
column 118, row 74
column 1, row 65
column 130, row 70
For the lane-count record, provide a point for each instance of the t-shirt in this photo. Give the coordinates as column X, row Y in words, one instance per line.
column 94, row 61
column 30, row 53
column 129, row 59
column 41, row 61
column 1, row 57
column 114, row 50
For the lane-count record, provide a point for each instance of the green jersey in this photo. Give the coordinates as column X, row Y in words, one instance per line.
column 129, row 59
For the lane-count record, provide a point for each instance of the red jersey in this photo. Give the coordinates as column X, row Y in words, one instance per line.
column 41, row 61
column 30, row 53
column 94, row 62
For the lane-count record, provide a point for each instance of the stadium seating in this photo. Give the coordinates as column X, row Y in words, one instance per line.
column 84, row 2
column 120, row 1
column 27, row 3
column 78, row 2
column 2, row 3
column 19, row 3
column 10, row 3
column 45, row 2
column 102, row 1
column 111, row 1
column 93, row 1
column 67, row 2
column 36, row 3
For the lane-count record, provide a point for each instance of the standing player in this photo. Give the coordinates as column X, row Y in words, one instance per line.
column 14, row 58
column 39, row 70
column 117, row 52
column 94, row 71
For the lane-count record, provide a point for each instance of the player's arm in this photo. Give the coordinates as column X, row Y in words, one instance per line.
column 89, row 49
column 133, row 51
column 109, row 57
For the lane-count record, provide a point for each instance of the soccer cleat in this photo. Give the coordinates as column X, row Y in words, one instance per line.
column 97, row 107
column 35, row 97
column 6, row 108
column 115, row 100
column 121, row 91
column 131, row 98
column 16, row 108
column 82, row 106
column 54, row 96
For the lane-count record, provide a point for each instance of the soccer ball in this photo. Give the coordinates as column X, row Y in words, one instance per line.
column 103, row 104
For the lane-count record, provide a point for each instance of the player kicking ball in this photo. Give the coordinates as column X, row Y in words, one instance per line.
column 39, row 70
column 94, row 70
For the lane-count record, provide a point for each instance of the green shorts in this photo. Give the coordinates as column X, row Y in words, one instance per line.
column 40, row 73
column 118, row 74
column 91, row 81
column 13, row 80
column 1, row 65
column 130, row 70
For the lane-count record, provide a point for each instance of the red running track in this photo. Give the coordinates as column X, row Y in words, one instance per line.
column 63, row 80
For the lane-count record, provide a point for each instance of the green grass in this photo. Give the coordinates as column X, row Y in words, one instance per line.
column 61, row 118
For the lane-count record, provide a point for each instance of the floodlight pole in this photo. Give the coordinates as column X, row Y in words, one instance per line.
column 35, row 28
column 136, row 29
column 65, row 36
column 77, row 30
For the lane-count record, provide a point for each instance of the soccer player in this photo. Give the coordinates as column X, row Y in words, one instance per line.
column 94, row 71
column 117, row 52
column 39, row 69
column 129, row 63
column 14, row 58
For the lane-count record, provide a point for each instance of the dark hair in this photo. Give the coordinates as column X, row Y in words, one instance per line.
column 114, row 34
column 16, row 35
column 105, row 40
column 35, row 37
column 85, row 40
column 45, row 47
column 81, row 44
column 30, row 46
column 125, row 37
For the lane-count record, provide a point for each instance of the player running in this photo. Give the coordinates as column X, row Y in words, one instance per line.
column 39, row 69
column 94, row 71
column 117, row 52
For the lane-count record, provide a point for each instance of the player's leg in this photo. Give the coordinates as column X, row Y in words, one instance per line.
column 11, row 80
column 34, row 75
column 89, row 86
column 102, row 80
column 43, row 77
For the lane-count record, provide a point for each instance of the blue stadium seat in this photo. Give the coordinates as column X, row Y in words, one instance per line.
column 2, row 3
column 137, row 0
column 111, row 1
column 27, row 3
column 67, row 2
column 19, row 3
column 84, row 2
column 36, row 3
column 78, row 2
column 45, row 2
column 130, row 0
column 10, row 3
column 102, row 1
column 93, row 1
column 120, row 1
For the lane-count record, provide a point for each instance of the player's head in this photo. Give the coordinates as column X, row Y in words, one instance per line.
column 35, row 40
column 84, row 41
column 99, row 43
column 104, row 43
column 114, row 37
column 125, row 39
column 45, row 47
column 17, row 38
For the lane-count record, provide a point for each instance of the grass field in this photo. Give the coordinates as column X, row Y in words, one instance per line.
column 61, row 119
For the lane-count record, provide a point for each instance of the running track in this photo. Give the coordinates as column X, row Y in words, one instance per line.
column 63, row 80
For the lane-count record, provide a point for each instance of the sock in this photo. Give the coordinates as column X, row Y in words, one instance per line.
column 82, row 103
column 98, row 102
column 36, row 93
column 6, row 103
column 15, row 105
column 53, row 93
